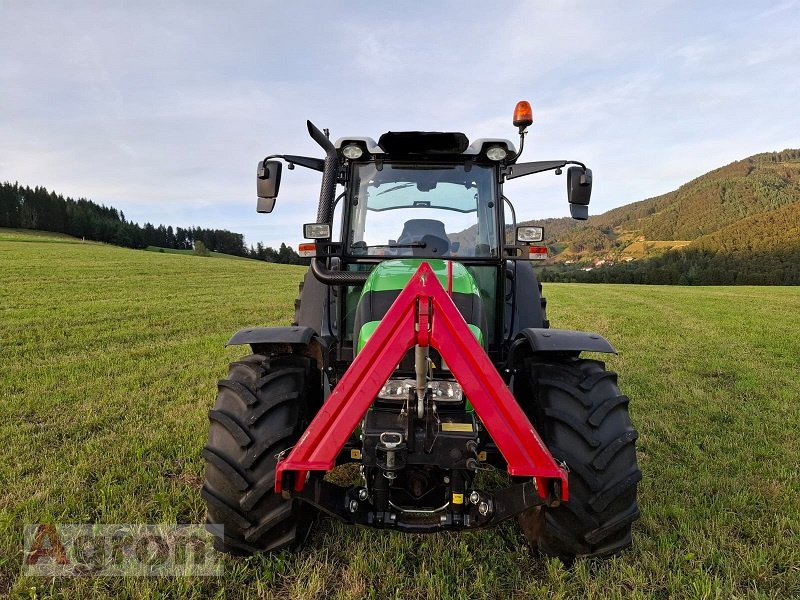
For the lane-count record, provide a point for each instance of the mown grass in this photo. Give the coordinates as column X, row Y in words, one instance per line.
column 108, row 364
column 191, row 252
column 34, row 235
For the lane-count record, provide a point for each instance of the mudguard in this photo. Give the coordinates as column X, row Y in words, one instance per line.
column 565, row 340
column 272, row 335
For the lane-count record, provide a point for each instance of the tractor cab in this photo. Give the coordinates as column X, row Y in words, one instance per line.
column 410, row 209
column 418, row 196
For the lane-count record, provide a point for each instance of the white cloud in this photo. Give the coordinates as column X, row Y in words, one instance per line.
column 164, row 109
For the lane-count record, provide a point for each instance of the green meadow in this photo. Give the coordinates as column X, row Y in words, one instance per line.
column 108, row 364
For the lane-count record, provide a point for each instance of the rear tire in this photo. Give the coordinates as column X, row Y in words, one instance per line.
column 262, row 408
column 578, row 410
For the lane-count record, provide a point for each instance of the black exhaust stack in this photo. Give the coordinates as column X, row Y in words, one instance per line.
column 327, row 194
column 329, row 173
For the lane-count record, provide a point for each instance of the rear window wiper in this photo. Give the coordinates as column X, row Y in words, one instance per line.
column 397, row 187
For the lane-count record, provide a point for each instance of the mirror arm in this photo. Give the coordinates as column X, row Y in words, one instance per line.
column 521, row 170
column 316, row 164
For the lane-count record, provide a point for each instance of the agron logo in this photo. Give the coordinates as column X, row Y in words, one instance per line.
column 114, row 550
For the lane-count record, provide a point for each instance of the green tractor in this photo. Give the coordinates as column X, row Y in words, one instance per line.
column 421, row 352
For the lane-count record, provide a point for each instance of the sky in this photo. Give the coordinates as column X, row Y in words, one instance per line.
column 163, row 109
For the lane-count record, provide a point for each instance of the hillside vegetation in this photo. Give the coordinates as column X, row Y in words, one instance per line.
column 755, row 185
column 110, row 359
column 742, row 217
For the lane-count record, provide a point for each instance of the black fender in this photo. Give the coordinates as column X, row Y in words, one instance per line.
column 272, row 335
column 284, row 340
column 536, row 340
column 564, row 340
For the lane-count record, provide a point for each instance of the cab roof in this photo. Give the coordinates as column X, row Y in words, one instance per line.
column 398, row 143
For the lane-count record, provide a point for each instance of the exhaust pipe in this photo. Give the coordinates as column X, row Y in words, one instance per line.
column 328, row 189
column 327, row 194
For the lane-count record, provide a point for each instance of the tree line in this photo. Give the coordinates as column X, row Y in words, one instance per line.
column 36, row 208
column 692, row 267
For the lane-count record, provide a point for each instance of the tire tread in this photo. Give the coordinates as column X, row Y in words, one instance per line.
column 582, row 417
column 261, row 410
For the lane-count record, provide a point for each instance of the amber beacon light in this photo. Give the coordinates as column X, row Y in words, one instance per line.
column 523, row 115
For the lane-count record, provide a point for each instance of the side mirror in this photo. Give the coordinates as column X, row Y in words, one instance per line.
column 579, row 191
column 579, row 185
column 579, row 212
column 265, row 205
column 268, row 182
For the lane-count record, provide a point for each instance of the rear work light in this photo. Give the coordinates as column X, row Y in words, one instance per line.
column 352, row 151
column 316, row 231
column 496, row 153
column 529, row 234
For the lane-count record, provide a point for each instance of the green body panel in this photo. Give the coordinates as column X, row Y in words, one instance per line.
column 394, row 275
column 369, row 328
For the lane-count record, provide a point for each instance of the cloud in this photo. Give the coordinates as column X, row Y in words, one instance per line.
column 163, row 110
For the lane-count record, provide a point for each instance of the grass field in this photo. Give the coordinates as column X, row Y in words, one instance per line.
column 32, row 235
column 191, row 253
column 108, row 364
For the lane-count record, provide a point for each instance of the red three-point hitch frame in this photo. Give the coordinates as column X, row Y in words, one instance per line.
column 422, row 314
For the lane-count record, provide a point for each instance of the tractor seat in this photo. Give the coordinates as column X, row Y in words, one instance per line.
column 430, row 231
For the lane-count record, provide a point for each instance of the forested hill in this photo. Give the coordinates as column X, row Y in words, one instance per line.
column 36, row 208
column 743, row 216
column 757, row 184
